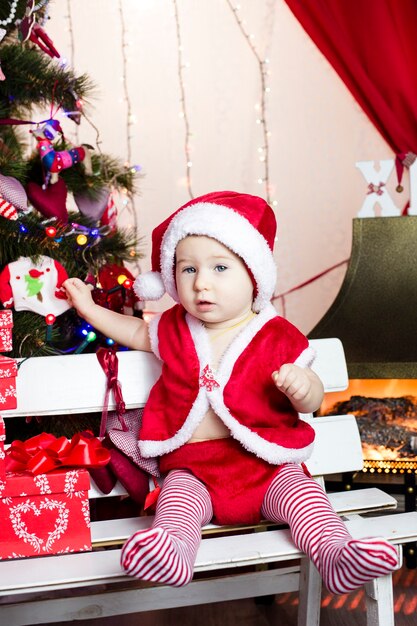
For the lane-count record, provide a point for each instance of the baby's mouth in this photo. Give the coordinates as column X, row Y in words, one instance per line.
column 204, row 305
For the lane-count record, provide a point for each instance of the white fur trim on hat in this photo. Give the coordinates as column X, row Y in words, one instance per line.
column 149, row 286
column 232, row 230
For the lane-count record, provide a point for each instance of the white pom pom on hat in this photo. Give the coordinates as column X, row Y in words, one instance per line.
column 243, row 223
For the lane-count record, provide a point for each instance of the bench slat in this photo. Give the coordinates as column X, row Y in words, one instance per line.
column 218, row 553
column 136, row 599
column 337, row 447
column 344, row 503
column 56, row 385
column 330, row 364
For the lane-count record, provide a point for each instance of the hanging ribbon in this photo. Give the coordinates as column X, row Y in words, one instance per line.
column 399, row 168
column 110, row 364
column 44, row 453
column 402, row 160
column 281, row 296
column 11, row 121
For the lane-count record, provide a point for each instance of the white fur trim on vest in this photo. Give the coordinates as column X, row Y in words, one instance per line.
column 232, row 230
column 306, row 358
column 271, row 452
column 153, row 334
column 149, row 286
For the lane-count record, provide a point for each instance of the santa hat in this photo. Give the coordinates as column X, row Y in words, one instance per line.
column 243, row 223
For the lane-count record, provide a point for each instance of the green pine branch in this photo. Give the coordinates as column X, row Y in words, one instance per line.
column 34, row 79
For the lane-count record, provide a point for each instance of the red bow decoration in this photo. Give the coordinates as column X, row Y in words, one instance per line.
column 110, row 364
column 44, row 453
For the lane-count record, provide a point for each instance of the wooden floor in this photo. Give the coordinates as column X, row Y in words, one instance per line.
column 347, row 610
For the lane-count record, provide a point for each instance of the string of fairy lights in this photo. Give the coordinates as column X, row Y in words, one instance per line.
column 183, row 112
column 72, row 58
column 261, row 107
column 126, row 199
column 128, row 202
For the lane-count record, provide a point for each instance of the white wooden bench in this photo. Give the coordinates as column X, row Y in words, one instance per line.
column 230, row 565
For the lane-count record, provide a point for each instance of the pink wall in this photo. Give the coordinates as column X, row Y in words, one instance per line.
column 318, row 131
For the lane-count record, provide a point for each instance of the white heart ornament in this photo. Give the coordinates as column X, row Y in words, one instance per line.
column 14, row 192
column 93, row 208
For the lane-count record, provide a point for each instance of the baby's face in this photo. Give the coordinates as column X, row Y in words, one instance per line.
column 213, row 283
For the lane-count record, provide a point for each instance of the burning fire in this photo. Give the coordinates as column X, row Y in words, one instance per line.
column 386, row 412
column 379, row 453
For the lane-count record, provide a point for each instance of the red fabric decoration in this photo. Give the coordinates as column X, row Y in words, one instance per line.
column 52, row 201
column 371, row 45
column 133, row 479
column 112, row 294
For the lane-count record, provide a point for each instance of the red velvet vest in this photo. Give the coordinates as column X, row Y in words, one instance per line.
column 241, row 391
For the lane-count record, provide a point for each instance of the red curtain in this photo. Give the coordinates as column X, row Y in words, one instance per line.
column 372, row 44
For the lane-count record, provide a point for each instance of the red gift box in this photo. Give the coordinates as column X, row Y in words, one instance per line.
column 43, row 514
column 8, row 373
column 6, row 326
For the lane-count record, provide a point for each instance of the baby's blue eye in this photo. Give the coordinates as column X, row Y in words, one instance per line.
column 220, row 268
column 188, row 270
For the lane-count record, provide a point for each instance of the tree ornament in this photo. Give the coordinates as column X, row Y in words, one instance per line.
column 51, row 201
column 109, row 217
column 114, row 294
column 30, row 30
column 29, row 286
column 75, row 116
column 14, row 192
column 93, row 208
column 7, row 210
column 55, row 161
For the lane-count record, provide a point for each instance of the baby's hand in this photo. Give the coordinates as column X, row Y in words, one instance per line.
column 294, row 381
column 78, row 295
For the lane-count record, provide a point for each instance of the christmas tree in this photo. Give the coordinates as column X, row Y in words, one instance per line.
column 42, row 241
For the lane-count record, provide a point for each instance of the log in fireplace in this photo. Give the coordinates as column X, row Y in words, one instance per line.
column 375, row 316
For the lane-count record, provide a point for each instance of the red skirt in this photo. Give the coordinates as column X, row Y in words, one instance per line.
column 236, row 479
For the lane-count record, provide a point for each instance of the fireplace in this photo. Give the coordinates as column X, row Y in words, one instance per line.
column 386, row 412
column 375, row 316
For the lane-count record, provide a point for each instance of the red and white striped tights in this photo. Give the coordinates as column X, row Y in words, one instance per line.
column 166, row 553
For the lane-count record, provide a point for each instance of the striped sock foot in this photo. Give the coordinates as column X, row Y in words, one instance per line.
column 348, row 565
column 155, row 555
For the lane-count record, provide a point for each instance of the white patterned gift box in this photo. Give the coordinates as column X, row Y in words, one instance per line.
column 6, row 327
column 44, row 514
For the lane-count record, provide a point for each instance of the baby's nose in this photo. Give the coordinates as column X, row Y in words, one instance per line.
column 201, row 281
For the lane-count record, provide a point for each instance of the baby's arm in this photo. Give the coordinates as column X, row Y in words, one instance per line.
column 302, row 387
column 126, row 330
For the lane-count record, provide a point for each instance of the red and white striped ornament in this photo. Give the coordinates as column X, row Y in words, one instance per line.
column 109, row 217
column 7, row 210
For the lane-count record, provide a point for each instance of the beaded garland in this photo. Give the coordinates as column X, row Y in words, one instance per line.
column 9, row 19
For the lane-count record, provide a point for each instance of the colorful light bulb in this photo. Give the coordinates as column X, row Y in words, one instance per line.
column 50, row 231
column 82, row 240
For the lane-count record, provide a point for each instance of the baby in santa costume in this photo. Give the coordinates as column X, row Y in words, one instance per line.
column 223, row 418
